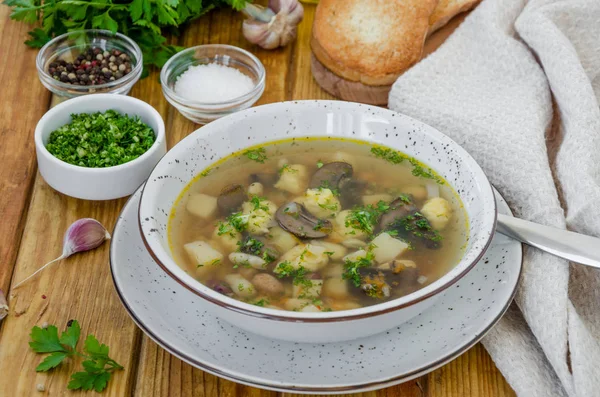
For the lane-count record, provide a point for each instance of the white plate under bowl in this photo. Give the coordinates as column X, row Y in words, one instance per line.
column 176, row 319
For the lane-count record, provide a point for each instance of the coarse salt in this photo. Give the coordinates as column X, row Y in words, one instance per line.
column 212, row 83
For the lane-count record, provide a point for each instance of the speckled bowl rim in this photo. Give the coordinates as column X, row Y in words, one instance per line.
column 228, row 303
column 279, row 387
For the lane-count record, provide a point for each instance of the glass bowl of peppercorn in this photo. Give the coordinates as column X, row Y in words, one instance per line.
column 89, row 61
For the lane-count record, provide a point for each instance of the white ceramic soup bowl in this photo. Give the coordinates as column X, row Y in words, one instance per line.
column 320, row 119
column 98, row 183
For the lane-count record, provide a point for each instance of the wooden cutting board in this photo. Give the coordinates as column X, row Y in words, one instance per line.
column 375, row 95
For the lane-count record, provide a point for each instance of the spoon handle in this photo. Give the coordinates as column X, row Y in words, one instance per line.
column 565, row 244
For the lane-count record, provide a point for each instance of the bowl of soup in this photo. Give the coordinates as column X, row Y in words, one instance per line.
column 317, row 221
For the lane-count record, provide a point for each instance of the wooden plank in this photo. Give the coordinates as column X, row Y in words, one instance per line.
column 472, row 374
column 79, row 287
column 20, row 85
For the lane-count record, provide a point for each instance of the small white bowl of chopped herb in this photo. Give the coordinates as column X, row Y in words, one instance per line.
column 99, row 147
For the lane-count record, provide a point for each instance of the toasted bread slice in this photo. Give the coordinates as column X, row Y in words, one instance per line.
column 370, row 41
column 446, row 10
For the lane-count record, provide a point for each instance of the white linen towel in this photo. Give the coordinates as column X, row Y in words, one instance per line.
column 496, row 86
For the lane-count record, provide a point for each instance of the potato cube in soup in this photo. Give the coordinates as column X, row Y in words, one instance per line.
column 293, row 179
column 335, row 287
column 281, row 239
column 202, row 205
column 438, row 212
column 240, row 286
column 387, row 248
column 202, row 254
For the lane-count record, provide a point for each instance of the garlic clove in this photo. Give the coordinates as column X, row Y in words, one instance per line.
column 83, row 235
column 292, row 9
column 275, row 26
column 3, row 306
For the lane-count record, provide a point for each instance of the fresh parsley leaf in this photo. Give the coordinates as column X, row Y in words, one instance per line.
column 259, row 155
column 45, row 340
column 71, row 335
column 51, row 361
column 38, row 38
column 97, row 365
column 319, row 164
column 89, row 381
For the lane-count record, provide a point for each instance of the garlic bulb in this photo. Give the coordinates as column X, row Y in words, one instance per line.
column 83, row 235
column 274, row 26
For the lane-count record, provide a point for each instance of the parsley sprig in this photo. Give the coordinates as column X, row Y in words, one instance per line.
column 142, row 20
column 98, row 366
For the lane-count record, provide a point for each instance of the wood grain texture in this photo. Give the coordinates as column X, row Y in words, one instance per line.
column 81, row 288
column 17, row 151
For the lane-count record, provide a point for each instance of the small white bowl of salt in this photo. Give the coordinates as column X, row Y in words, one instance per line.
column 211, row 81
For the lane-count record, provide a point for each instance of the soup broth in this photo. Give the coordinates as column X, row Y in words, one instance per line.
column 317, row 224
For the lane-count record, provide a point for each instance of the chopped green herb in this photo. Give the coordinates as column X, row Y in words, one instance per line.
column 240, row 287
column 215, row 262
column 206, row 172
column 351, row 268
column 319, row 164
column 257, row 202
column 251, row 246
column 99, row 140
column 329, row 207
column 261, row 302
column 388, row 155
column 259, row 155
column 285, row 270
column 365, row 218
column 98, row 366
column 326, row 185
column 395, row 157
column 287, row 168
column 329, row 253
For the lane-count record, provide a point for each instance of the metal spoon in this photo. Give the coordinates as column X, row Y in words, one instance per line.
column 562, row 243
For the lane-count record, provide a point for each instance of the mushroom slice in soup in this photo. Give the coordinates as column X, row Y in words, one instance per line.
column 295, row 218
column 331, row 175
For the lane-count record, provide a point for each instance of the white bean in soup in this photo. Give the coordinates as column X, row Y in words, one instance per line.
column 318, row 224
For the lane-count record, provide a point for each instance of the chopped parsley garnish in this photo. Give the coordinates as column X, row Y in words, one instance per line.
column 326, row 185
column 261, row 302
column 389, row 155
column 298, row 276
column 98, row 140
column 251, row 246
column 418, row 226
column 319, row 164
column 259, row 155
column 234, row 222
column 287, row 168
column 257, row 202
column 351, row 268
column 394, row 157
column 240, row 287
column 365, row 218
column 329, row 207
column 329, row 253
column 206, row 172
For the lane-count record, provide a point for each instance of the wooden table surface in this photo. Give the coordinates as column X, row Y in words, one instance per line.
column 34, row 218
